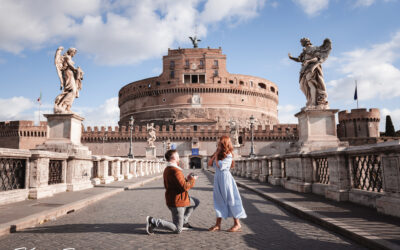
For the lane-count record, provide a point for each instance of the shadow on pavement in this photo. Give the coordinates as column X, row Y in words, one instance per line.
column 116, row 228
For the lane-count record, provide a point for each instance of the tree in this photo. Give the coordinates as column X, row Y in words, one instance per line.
column 389, row 131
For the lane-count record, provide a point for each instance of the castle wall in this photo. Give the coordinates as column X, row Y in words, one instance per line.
column 359, row 126
column 219, row 96
column 22, row 134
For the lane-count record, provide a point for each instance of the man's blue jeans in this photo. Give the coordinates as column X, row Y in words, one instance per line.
column 180, row 216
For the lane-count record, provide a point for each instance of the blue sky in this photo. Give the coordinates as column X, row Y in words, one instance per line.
column 123, row 41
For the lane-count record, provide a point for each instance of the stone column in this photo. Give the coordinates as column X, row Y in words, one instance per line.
column 264, row 170
column 141, row 168
column 249, row 168
column 133, row 167
column 39, row 174
column 275, row 178
column 339, row 178
column 103, row 170
column 244, row 167
column 255, row 169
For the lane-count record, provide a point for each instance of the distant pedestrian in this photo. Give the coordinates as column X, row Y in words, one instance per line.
column 227, row 201
column 176, row 197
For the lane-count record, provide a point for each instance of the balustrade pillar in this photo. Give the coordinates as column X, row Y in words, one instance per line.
column 264, row 170
column 255, row 172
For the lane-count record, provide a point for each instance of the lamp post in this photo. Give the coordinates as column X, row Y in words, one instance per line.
column 252, row 154
column 131, row 122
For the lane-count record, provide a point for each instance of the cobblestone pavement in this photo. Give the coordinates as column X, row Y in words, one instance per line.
column 118, row 222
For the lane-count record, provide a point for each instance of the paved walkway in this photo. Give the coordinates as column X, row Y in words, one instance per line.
column 19, row 215
column 357, row 222
column 118, row 222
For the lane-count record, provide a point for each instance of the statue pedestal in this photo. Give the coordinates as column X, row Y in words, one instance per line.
column 317, row 129
column 151, row 152
column 236, row 151
column 64, row 135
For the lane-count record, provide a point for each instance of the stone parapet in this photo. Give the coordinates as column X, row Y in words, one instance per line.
column 368, row 175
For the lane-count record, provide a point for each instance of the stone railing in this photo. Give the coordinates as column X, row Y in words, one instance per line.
column 367, row 175
column 36, row 173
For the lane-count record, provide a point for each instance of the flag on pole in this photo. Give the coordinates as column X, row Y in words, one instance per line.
column 355, row 93
column 39, row 100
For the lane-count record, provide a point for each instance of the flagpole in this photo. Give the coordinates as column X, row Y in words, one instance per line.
column 357, row 94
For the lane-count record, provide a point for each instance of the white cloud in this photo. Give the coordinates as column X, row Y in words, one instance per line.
column 312, row 7
column 374, row 70
column 238, row 10
column 114, row 32
column 394, row 114
column 367, row 3
column 107, row 114
column 286, row 113
column 16, row 108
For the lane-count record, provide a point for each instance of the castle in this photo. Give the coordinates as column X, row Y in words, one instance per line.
column 191, row 104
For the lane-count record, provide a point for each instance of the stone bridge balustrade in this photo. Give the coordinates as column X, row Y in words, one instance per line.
column 38, row 173
column 368, row 175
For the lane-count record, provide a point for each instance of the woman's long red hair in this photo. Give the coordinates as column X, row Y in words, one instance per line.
column 224, row 147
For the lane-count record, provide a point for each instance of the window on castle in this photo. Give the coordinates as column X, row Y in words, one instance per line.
column 273, row 89
column 195, row 78
column 201, row 62
column 215, row 62
column 202, row 79
column 251, row 83
column 172, row 74
column 262, row 85
column 215, row 72
column 187, row 63
column 241, row 83
column 231, row 81
column 172, row 64
column 158, row 83
column 186, row 79
column 195, row 127
column 149, row 86
column 168, row 82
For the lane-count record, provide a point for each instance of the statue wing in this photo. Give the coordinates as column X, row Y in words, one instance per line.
column 58, row 62
column 324, row 50
column 191, row 38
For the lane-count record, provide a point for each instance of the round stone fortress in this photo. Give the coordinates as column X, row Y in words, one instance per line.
column 196, row 89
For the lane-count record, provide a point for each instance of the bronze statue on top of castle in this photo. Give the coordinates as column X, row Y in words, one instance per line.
column 195, row 41
column 311, row 76
column 151, row 137
column 70, row 80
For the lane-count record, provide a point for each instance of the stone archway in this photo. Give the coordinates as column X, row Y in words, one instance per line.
column 195, row 162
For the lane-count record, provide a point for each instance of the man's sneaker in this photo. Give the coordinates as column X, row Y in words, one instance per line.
column 187, row 226
column 149, row 225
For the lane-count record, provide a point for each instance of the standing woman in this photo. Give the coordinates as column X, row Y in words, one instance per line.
column 227, row 201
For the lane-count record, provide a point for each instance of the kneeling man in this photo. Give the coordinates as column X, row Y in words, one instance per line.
column 176, row 197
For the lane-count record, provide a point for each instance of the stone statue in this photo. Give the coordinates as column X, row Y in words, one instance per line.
column 234, row 132
column 151, row 135
column 70, row 80
column 194, row 41
column 168, row 147
column 311, row 77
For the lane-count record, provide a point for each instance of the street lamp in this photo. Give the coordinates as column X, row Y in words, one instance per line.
column 252, row 154
column 131, row 121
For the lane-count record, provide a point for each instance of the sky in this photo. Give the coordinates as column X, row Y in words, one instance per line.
column 122, row 41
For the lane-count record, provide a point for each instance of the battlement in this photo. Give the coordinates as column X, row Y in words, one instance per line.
column 372, row 114
column 187, row 132
column 21, row 123
column 208, row 50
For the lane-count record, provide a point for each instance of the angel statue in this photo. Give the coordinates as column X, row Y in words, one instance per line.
column 234, row 132
column 311, row 77
column 194, row 41
column 151, row 134
column 70, row 80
